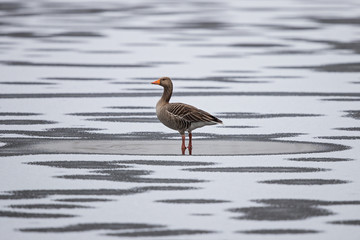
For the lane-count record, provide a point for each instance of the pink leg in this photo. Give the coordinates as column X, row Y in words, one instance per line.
column 190, row 143
column 183, row 144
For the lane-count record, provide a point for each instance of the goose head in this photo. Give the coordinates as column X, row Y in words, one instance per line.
column 164, row 82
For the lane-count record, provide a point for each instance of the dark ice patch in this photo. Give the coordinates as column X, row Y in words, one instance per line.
column 353, row 46
column 50, row 49
column 81, row 200
column 193, row 201
column 161, row 233
column 25, row 122
column 237, row 126
column 257, row 169
column 20, row 34
column 47, row 206
column 342, row 99
column 130, row 107
column 354, row 129
column 319, row 159
column 5, row 114
column 351, row 67
column 305, row 181
column 346, row 222
column 304, row 202
column 76, row 34
column 355, row 114
column 279, row 231
column 257, row 45
column 81, row 164
column 341, row 137
column 127, row 119
column 339, row 67
column 13, row 214
column 289, row 52
column 77, row 65
column 287, row 209
column 247, row 115
column 113, row 114
column 10, row 6
column 334, row 20
column 211, row 25
column 84, row 227
column 283, row 27
column 105, row 51
column 27, row 83
column 36, row 194
column 133, row 176
column 202, row 214
column 28, row 34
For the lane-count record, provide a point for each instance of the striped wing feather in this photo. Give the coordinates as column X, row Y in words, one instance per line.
column 190, row 113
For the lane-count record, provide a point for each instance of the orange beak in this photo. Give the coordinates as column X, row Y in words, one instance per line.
column 156, row 82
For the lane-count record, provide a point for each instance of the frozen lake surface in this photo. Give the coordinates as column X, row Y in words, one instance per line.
column 83, row 155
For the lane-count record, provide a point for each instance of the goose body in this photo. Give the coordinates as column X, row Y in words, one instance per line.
column 183, row 117
column 179, row 116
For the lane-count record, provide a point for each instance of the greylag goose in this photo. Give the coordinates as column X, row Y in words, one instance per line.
column 179, row 116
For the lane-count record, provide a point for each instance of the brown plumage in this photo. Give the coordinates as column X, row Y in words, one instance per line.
column 179, row 116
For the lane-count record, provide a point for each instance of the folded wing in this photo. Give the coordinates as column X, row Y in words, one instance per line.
column 191, row 114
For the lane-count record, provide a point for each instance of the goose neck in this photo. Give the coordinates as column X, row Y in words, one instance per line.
column 167, row 94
